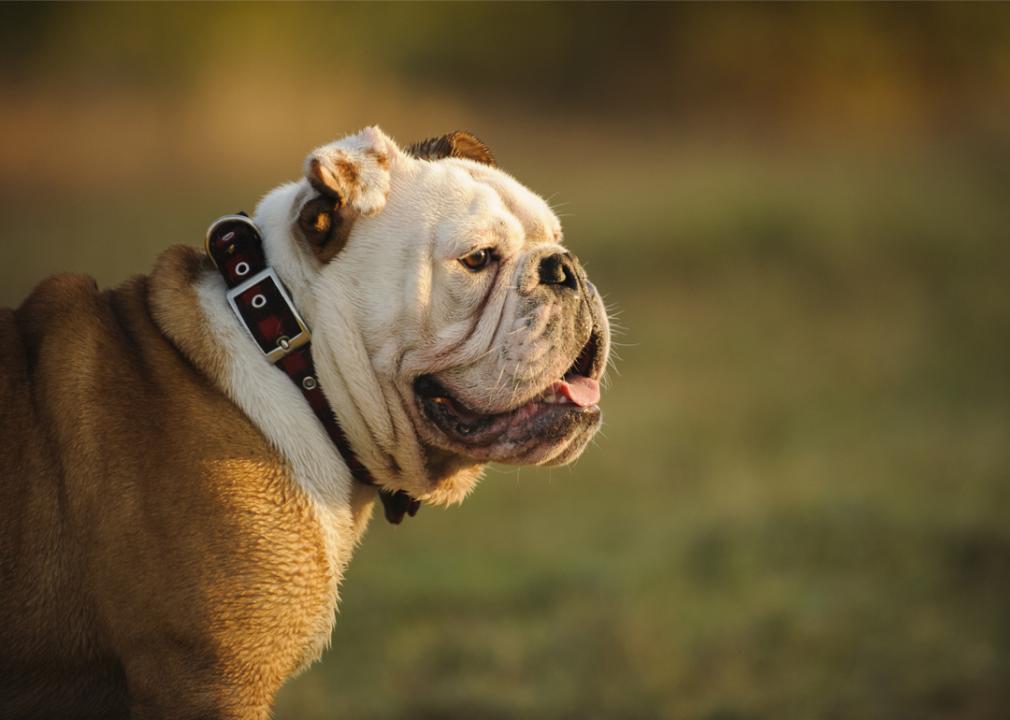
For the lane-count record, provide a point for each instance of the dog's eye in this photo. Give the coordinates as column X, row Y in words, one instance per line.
column 477, row 260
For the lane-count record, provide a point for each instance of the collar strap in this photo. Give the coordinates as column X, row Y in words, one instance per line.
column 258, row 298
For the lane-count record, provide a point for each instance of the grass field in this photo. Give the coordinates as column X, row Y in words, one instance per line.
column 798, row 506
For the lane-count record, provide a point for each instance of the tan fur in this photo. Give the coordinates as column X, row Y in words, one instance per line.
column 156, row 557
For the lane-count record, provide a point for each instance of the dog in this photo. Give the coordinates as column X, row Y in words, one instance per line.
column 190, row 458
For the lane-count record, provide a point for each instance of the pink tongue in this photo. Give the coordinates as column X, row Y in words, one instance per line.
column 581, row 390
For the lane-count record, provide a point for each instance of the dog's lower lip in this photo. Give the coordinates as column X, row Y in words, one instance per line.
column 564, row 404
column 544, row 418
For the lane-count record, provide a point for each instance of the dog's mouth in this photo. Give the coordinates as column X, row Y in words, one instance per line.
column 560, row 410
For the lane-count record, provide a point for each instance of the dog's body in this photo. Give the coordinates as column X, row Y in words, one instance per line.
column 148, row 524
column 175, row 520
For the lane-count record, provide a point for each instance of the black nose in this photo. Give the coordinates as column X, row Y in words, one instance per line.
column 558, row 269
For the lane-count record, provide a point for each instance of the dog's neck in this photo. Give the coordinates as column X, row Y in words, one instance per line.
column 352, row 387
column 263, row 307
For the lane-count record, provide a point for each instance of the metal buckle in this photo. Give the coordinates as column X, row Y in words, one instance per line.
column 285, row 345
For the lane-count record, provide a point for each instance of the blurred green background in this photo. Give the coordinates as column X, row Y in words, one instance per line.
column 798, row 506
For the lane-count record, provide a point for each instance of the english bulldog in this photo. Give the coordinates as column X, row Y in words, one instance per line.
column 178, row 505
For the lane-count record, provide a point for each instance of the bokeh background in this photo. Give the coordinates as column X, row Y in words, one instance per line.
column 798, row 506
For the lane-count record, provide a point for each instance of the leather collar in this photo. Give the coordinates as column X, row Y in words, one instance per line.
column 263, row 306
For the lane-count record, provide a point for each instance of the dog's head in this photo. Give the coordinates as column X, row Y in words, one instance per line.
column 451, row 327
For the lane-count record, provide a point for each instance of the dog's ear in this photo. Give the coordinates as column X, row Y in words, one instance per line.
column 459, row 144
column 322, row 226
column 348, row 178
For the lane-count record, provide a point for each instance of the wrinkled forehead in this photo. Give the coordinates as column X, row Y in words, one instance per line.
column 491, row 203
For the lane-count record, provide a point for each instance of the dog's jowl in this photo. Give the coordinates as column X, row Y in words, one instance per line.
column 190, row 458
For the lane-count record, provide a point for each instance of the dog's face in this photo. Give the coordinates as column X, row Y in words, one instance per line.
column 446, row 312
